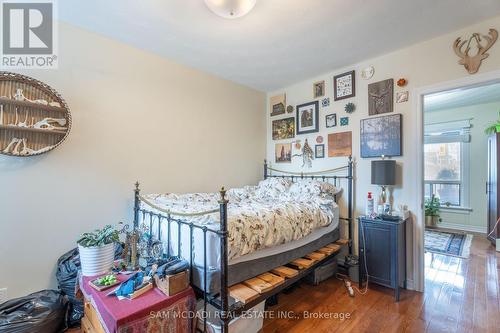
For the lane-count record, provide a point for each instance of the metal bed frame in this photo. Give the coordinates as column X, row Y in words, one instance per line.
column 220, row 301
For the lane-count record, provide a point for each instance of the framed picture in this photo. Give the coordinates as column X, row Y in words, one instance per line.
column 381, row 136
column 402, row 97
column 319, row 89
column 331, row 120
column 283, row 153
column 380, row 97
column 284, row 128
column 319, row 151
column 344, row 86
column 340, row 144
column 307, row 117
column 344, row 121
column 277, row 104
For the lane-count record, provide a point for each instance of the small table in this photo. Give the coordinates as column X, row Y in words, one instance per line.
column 152, row 311
column 383, row 244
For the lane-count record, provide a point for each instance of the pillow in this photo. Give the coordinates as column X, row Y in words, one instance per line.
column 273, row 187
column 312, row 187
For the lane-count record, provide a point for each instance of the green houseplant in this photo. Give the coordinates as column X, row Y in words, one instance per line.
column 494, row 128
column 97, row 250
column 432, row 216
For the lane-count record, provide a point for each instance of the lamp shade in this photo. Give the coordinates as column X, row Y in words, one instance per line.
column 384, row 172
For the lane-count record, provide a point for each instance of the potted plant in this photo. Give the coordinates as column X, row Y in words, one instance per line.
column 494, row 128
column 97, row 250
column 432, row 216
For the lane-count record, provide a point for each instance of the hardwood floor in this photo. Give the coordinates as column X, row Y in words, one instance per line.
column 461, row 295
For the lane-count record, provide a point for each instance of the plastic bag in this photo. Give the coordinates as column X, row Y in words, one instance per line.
column 42, row 312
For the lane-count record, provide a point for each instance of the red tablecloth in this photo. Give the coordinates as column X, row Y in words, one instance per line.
column 150, row 312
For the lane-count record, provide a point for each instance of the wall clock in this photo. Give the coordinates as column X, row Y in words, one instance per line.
column 344, row 86
column 380, row 97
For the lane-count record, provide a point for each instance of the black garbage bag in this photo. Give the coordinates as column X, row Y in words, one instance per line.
column 42, row 312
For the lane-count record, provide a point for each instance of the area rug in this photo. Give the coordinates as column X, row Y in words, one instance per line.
column 448, row 243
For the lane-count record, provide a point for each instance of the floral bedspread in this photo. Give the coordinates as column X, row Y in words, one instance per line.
column 272, row 213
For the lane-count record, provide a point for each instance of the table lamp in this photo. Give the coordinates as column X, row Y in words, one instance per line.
column 384, row 174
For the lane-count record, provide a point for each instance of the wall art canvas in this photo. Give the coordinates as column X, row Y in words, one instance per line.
column 325, row 102
column 380, row 97
column 284, row 128
column 344, row 86
column 307, row 118
column 319, row 151
column 381, row 136
column 344, row 121
column 340, row 144
column 402, row 97
column 277, row 104
column 319, row 89
column 283, row 152
column 331, row 120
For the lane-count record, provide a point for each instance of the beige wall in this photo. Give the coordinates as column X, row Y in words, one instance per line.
column 136, row 116
column 423, row 64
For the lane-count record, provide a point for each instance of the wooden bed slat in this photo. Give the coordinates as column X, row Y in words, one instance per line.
column 342, row 242
column 258, row 285
column 326, row 250
column 285, row 272
column 272, row 279
column 316, row 256
column 302, row 263
column 243, row 293
column 334, row 247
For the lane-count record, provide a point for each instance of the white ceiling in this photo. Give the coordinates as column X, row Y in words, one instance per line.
column 281, row 41
column 462, row 97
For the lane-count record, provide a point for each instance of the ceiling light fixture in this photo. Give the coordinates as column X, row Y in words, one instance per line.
column 230, row 9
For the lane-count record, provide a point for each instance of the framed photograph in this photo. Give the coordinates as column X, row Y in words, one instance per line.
column 319, row 151
column 319, row 89
column 331, row 120
column 277, row 104
column 402, row 97
column 307, row 118
column 344, row 86
column 284, row 128
column 381, row 136
column 283, row 153
column 340, row 144
column 380, row 97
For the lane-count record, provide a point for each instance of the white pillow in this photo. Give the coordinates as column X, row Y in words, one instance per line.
column 273, row 187
column 312, row 187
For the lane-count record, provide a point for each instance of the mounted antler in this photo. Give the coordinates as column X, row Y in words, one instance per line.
column 472, row 63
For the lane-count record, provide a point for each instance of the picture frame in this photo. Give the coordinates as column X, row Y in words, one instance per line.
column 402, row 96
column 318, row 89
column 283, row 128
column 331, row 120
column 344, row 85
column 340, row 144
column 319, row 151
column 381, row 97
column 307, row 118
column 381, row 136
column 283, row 152
column 277, row 104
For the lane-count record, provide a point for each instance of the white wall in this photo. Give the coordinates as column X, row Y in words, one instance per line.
column 482, row 116
column 136, row 116
column 423, row 64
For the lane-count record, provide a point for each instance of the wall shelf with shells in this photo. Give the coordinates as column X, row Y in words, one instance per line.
column 34, row 118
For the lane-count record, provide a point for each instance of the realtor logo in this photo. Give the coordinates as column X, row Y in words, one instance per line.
column 28, row 34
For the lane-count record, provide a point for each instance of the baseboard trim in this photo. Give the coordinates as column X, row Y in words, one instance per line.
column 463, row 227
column 410, row 285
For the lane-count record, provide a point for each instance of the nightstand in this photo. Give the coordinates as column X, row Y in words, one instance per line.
column 383, row 244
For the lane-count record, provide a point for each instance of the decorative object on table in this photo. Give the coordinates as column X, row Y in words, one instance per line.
column 340, row 144
column 283, row 153
column 131, row 250
column 104, row 282
column 384, row 175
column 289, row 109
column 367, row 72
column 493, row 128
column 283, row 128
column 325, row 102
column 448, row 243
column 97, row 250
column 481, row 43
column 402, row 82
column 319, row 139
column 331, row 120
column 277, row 104
column 350, row 107
column 307, row 155
column 319, row 89
column 24, row 103
column 432, row 207
column 319, row 151
column 307, row 117
column 344, row 121
column 402, row 96
column 171, row 276
column 380, row 97
column 381, row 136
column 136, row 285
column 344, row 86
